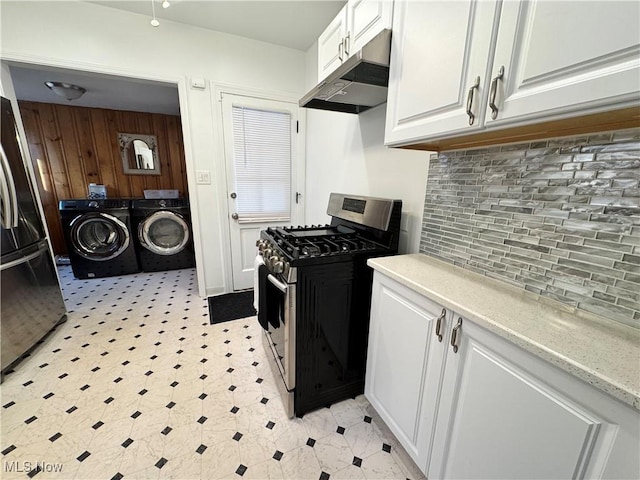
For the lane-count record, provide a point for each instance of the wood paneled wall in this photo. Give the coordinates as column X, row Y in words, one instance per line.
column 73, row 146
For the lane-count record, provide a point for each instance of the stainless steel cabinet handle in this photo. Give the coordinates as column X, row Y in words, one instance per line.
column 474, row 87
column 340, row 48
column 235, row 216
column 454, row 335
column 439, row 324
column 494, row 91
column 5, row 214
column 346, row 41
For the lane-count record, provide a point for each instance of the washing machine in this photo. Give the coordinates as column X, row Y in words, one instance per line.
column 99, row 237
column 164, row 239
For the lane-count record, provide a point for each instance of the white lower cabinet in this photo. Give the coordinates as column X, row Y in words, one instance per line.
column 489, row 409
column 404, row 363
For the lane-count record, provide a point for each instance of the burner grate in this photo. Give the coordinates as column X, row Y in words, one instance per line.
column 311, row 242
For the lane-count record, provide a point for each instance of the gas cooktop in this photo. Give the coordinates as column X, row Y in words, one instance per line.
column 317, row 241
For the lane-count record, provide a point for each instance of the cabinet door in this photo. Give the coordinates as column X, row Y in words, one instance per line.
column 366, row 18
column 504, row 414
column 403, row 353
column 565, row 57
column 330, row 46
column 439, row 50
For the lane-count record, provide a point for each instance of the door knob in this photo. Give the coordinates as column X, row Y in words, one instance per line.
column 234, row 216
column 233, row 195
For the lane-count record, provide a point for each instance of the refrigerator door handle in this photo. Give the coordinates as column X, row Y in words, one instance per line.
column 28, row 258
column 5, row 214
column 9, row 194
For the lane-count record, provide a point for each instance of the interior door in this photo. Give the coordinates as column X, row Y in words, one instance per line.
column 262, row 164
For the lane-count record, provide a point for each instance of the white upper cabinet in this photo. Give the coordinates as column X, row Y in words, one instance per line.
column 356, row 24
column 440, row 64
column 559, row 60
column 365, row 19
column 331, row 45
column 563, row 57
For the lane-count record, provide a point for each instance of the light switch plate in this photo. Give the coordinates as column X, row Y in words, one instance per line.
column 203, row 177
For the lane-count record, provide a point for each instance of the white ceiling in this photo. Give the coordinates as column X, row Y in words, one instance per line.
column 103, row 91
column 294, row 24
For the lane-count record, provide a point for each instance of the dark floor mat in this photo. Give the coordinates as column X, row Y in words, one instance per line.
column 231, row 306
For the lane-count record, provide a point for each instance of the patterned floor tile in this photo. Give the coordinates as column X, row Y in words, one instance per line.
column 333, row 453
column 138, row 384
column 363, row 439
column 185, row 467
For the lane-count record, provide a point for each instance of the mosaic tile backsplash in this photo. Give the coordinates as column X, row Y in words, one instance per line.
column 560, row 218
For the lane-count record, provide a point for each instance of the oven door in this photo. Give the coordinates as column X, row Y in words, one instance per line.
column 277, row 315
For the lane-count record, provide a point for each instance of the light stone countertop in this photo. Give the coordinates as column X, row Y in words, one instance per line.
column 602, row 352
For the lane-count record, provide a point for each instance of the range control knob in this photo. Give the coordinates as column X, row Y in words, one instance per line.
column 93, row 204
column 278, row 266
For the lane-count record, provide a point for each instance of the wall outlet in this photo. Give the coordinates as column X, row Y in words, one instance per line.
column 203, row 177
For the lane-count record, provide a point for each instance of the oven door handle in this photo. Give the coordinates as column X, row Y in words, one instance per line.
column 278, row 284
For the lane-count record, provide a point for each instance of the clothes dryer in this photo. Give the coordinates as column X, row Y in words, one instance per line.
column 164, row 239
column 99, row 237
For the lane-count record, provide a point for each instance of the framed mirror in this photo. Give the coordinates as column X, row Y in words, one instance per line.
column 139, row 154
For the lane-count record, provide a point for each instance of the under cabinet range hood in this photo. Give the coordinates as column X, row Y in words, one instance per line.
column 359, row 84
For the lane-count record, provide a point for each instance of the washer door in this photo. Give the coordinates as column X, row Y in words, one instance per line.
column 164, row 233
column 99, row 236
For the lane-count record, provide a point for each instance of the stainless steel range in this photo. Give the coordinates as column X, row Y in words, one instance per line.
column 314, row 295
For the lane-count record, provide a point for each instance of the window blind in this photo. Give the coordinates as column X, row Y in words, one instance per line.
column 262, row 157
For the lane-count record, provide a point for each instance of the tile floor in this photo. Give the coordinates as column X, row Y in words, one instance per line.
column 138, row 385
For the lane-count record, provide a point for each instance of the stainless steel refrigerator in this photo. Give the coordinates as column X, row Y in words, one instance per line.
column 31, row 303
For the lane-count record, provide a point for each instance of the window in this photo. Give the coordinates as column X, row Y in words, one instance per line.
column 262, row 164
